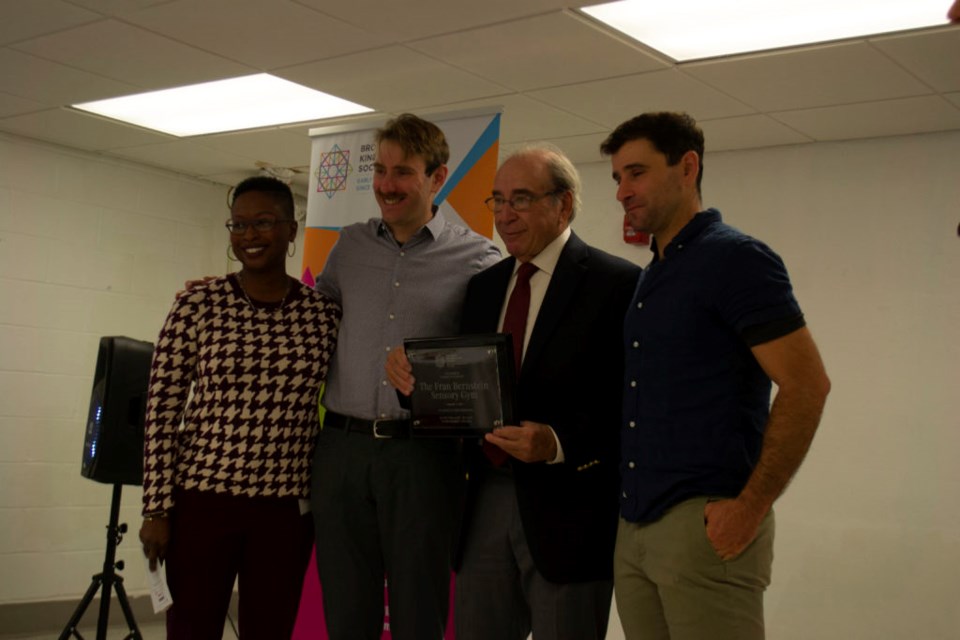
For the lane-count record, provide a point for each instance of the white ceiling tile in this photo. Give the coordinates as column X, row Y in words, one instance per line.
column 415, row 19
column 118, row 7
column 54, row 84
column 279, row 147
column 373, row 119
column 580, row 149
column 116, row 50
column 391, row 79
column 874, row 119
column 235, row 29
column 38, row 17
column 933, row 56
column 186, row 157
column 612, row 101
column 748, row 132
column 812, row 77
column 526, row 119
column 74, row 129
column 544, row 51
column 14, row 105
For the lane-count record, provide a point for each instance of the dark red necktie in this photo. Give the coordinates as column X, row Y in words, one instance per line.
column 514, row 323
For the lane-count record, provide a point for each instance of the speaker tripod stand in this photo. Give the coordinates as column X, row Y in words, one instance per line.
column 108, row 580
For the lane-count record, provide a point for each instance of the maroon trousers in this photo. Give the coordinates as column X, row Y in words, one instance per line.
column 264, row 543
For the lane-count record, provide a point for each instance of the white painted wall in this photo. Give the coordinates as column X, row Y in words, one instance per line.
column 88, row 248
column 868, row 541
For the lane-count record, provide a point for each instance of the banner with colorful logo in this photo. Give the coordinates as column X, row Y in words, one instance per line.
column 341, row 179
column 341, row 193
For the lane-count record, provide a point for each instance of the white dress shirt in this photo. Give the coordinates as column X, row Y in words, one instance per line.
column 546, row 263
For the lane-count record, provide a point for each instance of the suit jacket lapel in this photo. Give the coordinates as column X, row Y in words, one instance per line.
column 498, row 290
column 490, row 297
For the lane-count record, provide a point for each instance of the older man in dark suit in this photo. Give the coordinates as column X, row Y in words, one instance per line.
column 536, row 549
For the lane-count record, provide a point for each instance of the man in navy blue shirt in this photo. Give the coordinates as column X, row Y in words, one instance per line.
column 704, row 454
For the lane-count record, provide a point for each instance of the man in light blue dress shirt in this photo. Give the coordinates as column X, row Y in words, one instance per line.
column 385, row 504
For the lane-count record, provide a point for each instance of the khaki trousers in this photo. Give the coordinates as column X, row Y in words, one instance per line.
column 671, row 585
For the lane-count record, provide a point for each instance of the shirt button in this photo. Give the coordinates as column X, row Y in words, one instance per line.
column 633, row 383
column 383, row 415
column 636, row 343
column 396, row 284
column 632, row 424
column 403, row 253
column 624, row 494
column 639, row 305
column 387, row 349
column 632, row 464
column 383, row 382
column 392, row 317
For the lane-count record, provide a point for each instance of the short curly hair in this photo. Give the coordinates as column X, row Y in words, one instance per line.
column 265, row 184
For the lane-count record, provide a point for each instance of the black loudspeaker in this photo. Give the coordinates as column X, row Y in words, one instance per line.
column 113, row 444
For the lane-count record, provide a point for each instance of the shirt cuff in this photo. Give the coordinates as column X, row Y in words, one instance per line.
column 559, row 457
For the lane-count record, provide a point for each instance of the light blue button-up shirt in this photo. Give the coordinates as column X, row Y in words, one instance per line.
column 390, row 292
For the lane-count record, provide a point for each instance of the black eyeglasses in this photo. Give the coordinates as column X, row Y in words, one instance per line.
column 238, row 228
column 520, row 202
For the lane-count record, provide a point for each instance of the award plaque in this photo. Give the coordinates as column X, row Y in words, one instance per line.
column 464, row 385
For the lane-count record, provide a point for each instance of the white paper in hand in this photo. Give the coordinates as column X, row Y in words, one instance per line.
column 159, row 591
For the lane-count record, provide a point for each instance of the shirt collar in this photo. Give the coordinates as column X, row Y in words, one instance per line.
column 434, row 226
column 547, row 259
column 689, row 232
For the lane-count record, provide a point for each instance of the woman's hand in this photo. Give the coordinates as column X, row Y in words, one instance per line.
column 155, row 535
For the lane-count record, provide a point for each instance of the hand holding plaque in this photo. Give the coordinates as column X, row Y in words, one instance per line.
column 464, row 385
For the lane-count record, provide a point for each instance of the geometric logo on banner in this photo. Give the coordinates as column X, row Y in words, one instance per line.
column 332, row 172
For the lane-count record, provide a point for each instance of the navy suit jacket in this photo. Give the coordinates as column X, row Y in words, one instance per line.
column 572, row 380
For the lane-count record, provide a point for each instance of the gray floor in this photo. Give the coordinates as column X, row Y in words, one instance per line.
column 44, row 621
column 152, row 631
column 149, row 631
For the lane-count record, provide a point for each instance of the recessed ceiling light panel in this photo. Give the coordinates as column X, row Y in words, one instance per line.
column 248, row 102
column 695, row 29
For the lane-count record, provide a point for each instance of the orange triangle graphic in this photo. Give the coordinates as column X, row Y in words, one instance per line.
column 468, row 196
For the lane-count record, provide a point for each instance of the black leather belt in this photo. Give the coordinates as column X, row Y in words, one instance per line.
column 376, row 428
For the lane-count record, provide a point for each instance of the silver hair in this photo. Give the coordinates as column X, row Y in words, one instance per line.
column 563, row 174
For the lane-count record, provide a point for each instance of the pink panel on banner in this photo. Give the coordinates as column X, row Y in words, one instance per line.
column 311, row 624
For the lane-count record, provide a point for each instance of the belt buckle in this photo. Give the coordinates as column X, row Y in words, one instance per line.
column 376, row 430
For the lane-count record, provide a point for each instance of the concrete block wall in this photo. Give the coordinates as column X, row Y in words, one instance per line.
column 88, row 248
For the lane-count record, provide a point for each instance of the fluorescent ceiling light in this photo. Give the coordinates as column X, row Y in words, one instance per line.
column 694, row 29
column 248, row 102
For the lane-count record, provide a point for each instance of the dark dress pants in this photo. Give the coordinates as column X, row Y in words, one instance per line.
column 262, row 543
column 501, row 595
column 385, row 508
